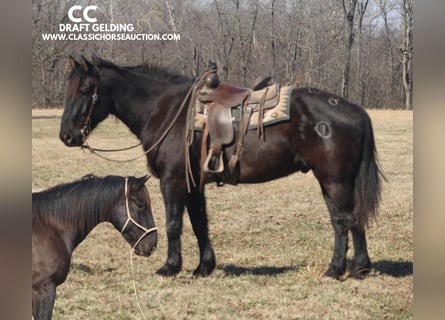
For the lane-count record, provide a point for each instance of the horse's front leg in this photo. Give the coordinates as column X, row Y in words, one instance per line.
column 43, row 297
column 196, row 206
column 174, row 199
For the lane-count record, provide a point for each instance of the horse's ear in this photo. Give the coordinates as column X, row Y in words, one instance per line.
column 85, row 63
column 97, row 60
column 88, row 67
column 140, row 182
column 73, row 64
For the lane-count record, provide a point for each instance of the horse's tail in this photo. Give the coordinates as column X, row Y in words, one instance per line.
column 368, row 180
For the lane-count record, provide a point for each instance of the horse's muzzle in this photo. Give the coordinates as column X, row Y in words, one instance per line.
column 71, row 140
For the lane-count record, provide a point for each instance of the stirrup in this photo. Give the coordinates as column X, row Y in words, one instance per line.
column 220, row 168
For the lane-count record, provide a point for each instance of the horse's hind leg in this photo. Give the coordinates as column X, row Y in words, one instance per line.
column 361, row 263
column 196, row 206
column 339, row 200
column 43, row 297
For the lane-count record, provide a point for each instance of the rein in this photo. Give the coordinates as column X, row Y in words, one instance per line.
column 97, row 151
column 192, row 94
column 86, row 128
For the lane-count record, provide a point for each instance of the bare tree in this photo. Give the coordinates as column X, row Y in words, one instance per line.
column 47, row 70
column 349, row 11
column 228, row 39
column 407, row 52
column 245, row 37
column 361, row 49
column 272, row 38
column 362, row 6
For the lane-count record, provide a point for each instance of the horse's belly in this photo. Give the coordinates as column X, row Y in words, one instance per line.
column 263, row 165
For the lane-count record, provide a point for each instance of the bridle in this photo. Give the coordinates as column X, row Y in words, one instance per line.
column 87, row 123
column 130, row 218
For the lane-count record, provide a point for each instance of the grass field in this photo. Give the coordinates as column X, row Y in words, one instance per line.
column 272, row 241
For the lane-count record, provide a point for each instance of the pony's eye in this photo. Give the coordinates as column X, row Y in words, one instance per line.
column 140, row 204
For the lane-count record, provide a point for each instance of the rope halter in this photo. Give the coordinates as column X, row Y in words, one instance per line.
column 130, row 218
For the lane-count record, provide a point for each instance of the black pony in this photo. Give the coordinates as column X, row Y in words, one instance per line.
column 325, row 134
column 65, row 214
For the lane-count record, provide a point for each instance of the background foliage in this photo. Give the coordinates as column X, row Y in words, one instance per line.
column 360, row 49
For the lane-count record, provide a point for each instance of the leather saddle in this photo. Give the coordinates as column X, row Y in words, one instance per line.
column 219, row 102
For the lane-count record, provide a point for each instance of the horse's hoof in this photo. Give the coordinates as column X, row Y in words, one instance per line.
column 331, row 274
column 359, row 272
column 334, row 273
column 168, row 271
column 203, row 271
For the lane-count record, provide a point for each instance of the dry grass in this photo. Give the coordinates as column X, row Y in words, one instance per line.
column 272, row 241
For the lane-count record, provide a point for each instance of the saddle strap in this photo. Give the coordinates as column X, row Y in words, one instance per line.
column 246, row 113
column 260, row 132
column 205, row 136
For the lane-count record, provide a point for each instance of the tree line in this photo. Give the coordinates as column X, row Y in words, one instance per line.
column 358, row 49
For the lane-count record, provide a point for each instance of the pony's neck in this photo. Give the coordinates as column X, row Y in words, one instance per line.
column 86, row 226
column 74, row 209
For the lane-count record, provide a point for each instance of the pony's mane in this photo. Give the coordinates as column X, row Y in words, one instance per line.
column 148, row 69
column 77, row 204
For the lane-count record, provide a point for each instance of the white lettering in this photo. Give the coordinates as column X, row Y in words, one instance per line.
column 86, row 16
column 101, row 27
column 74, row 27
column 71, row 11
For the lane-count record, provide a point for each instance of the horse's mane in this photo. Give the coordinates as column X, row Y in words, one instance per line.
column 77, row 203
column 148, row 69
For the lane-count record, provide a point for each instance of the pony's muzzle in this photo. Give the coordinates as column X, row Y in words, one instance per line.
column 147, row 246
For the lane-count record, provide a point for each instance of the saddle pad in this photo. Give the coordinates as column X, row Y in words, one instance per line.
column 280, row 112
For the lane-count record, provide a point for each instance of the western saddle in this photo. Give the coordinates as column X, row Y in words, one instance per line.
column 218, row 102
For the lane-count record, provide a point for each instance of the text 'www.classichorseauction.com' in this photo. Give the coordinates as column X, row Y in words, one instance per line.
column 84, row 26
column 112, row 36
column 113, row 32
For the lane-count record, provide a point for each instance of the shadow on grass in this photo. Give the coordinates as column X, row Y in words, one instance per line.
column 233, row 270
column 395, row 269
column 82, row 268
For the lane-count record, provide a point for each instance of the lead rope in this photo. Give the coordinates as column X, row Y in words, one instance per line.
column 136, row 294
column 146, row 232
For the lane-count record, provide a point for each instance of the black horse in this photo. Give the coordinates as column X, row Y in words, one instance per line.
column 325, row 134
column 64, row 215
